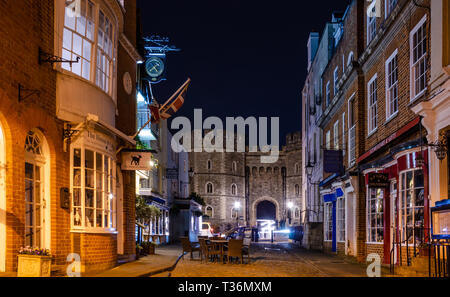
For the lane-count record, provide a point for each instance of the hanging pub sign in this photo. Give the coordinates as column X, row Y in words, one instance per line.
column 378, row 180
column 137, row 160
column 333, row 161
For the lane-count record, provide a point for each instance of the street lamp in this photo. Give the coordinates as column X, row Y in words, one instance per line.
column 309, row 169
column 191, row 173
column 290, row 205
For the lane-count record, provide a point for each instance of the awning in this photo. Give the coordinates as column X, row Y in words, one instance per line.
column 111, row 129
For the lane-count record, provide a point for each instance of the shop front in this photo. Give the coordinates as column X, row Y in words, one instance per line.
column 334, row 218
column 397, row 206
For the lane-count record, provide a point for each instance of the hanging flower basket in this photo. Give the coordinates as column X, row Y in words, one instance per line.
column 34, row 262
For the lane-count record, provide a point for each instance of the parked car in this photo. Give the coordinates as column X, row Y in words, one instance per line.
column 206, row 230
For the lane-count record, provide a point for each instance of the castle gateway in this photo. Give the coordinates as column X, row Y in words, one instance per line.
column 239, row 189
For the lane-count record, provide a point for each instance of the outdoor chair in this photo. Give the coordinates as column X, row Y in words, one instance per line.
column 190, row 247
column 215, row 251
column 235, row 250
column 205, row 250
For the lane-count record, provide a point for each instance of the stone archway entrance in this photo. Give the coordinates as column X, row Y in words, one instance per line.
column 266, row 210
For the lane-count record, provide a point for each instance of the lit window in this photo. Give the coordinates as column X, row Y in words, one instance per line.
column 372, row 104
column 94, row 180
column 341, row 219
column 411, row 204
column 328, row 224
column 34, row 191
column 391, row 86
column 104, row 53
column 418, row 44
column 82, row 27
column 78, row 37
column 336, row 135
column 375, row 229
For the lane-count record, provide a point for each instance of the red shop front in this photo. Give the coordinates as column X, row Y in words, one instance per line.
column 397, row 211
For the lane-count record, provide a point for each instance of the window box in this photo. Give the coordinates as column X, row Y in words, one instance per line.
column 34, row 266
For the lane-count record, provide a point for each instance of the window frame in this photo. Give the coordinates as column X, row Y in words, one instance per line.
column 335, row 79
column 402, row 204
column 207, row 189
column 328, row 222
column 328, row 140
column 369, row 215
column 98, row 7
column 234, row 190
column 336, row 135
column 111, row 180
column 394, row 57
column 371, row 25
column 388, row 8
column 370, row 106
column 413, row 95
column 340, row 219
column 327, row 94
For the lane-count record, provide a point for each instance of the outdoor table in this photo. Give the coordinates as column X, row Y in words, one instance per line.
column 221, row 243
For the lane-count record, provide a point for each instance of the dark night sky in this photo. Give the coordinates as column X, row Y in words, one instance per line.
column 245, row 58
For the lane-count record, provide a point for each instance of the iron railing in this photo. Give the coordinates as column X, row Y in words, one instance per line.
column 417, row 238
column 438, row 262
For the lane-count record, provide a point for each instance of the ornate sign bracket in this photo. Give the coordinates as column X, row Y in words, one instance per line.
column 49, row 58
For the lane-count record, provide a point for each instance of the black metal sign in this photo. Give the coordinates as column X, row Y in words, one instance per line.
column 378, row 180
column 333, row 161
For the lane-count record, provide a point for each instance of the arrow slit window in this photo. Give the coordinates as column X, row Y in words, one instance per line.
column 93, row 190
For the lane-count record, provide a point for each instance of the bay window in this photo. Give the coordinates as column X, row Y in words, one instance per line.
column 93, row 190
column 78, row 37
column 104, row 53
column 411, row 204
column 375, row 229
column 89, row 34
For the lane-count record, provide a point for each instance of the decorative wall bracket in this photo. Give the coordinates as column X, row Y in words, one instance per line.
column 440, row 147
column 24, row 93
column 49, row 58
column 68, row 132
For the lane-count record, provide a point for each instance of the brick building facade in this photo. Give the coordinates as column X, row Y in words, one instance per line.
column 60, row 129
column 366, row 116
column 223, row 179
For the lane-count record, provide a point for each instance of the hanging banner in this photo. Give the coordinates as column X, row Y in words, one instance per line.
column 172, row 173
column 136, row 160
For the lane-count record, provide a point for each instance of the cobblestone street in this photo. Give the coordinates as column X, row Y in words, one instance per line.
column 269, row 260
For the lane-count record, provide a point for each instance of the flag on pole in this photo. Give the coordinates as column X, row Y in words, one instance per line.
column 175, row 102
